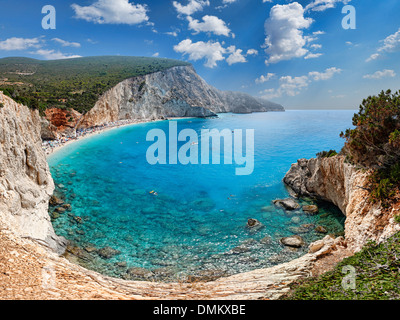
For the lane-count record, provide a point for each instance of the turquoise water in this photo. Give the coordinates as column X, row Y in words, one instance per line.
column 196, row 221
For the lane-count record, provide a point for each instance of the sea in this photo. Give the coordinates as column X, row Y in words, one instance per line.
column 179, row 222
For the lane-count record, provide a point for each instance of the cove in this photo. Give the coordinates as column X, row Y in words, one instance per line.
column 130, row 219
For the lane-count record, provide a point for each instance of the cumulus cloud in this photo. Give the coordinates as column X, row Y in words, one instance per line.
column 381, row 74
column 326, row 75
column 19, row 43
column 313, row 56
column 285, row 39
column 192, row 7
column 292, row 86
column 252, row 52
column 112, row 12
column 211, row 51
column 322, row 5
column 235, row 56
column 265, row 78
column 66, row 43
column 54, row 55
column 390, row 44
column 210, row 24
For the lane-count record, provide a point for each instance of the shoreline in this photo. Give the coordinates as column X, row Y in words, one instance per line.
column 53, row 146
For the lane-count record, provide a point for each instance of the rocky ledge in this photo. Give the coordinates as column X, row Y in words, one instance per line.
column 334, row 180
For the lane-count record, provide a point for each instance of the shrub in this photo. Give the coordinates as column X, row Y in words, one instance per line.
column 374, row 144
column 327, row 154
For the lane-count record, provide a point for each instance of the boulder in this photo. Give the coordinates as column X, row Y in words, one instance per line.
column 288, row 204
column 321, row 229
column 294, row 241
column 108, row 252
column 311, row 209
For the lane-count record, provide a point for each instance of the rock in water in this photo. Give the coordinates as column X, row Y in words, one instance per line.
column 288, row 204
column 294, row 241
column 311, row 209
column 108, row 252
column 321, row 229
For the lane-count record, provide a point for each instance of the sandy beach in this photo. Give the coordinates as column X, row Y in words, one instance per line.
column 51, row 147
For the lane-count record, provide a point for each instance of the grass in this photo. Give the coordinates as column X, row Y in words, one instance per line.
column 377, row 276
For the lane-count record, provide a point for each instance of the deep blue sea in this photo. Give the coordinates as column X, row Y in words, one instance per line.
column 179, row 220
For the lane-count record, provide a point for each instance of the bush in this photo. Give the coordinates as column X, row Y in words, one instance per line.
column 374, row 144
column 327, row 154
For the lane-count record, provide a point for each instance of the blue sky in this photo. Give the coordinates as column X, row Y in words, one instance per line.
column 292, row 52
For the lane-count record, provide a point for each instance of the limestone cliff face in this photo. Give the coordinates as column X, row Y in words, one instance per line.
column 334, row 180
column 176, row 92
column 25, row 181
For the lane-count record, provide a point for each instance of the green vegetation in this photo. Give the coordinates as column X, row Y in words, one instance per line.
column 72, row 83
column 327, row 154
column 377, row 276
column 374, row 144
column 1, row 105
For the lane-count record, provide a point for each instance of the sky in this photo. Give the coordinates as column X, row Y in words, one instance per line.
column 305, row 54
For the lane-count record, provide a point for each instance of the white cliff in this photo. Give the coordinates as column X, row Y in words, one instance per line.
column 334, row 180
column 176, row 92
column 25, row 180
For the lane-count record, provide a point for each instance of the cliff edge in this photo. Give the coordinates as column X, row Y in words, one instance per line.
column 334, row 180
column 175, row 92
column 26, row 184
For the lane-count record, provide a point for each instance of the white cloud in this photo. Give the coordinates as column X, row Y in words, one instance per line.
column 54, row 55
column 67, row 43
column 192, row 7
column 390, row 44
column 292, row 86
column 252, row 52
column 210, row 24
column 326, row 75
column 228, row 1
column 322, row 5
column 157, row 54
column 373, row 57
column 266, row 78
column 172, row 33
column 236, row 56
column 211, row 51
column 283, row 28
column 316, row 46
column 318, row 33
column 313, row 56
column 381, row 74
column 112, row 12
column 19, row 43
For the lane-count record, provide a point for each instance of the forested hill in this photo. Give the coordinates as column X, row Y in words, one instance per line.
column 72, row 83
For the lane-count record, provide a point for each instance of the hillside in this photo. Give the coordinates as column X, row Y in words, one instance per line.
column 72, row 83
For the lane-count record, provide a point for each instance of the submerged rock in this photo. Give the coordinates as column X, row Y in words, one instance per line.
column 207, row 275
column 108, row 252
column 321, row 229
column 288, row 204
column 294, row 241
column 55, row 201
column 311, row 209
column 137, row 273
column 254, row 225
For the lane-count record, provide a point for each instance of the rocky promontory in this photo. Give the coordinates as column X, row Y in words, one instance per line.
column 175, row 92
column 334, row 180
